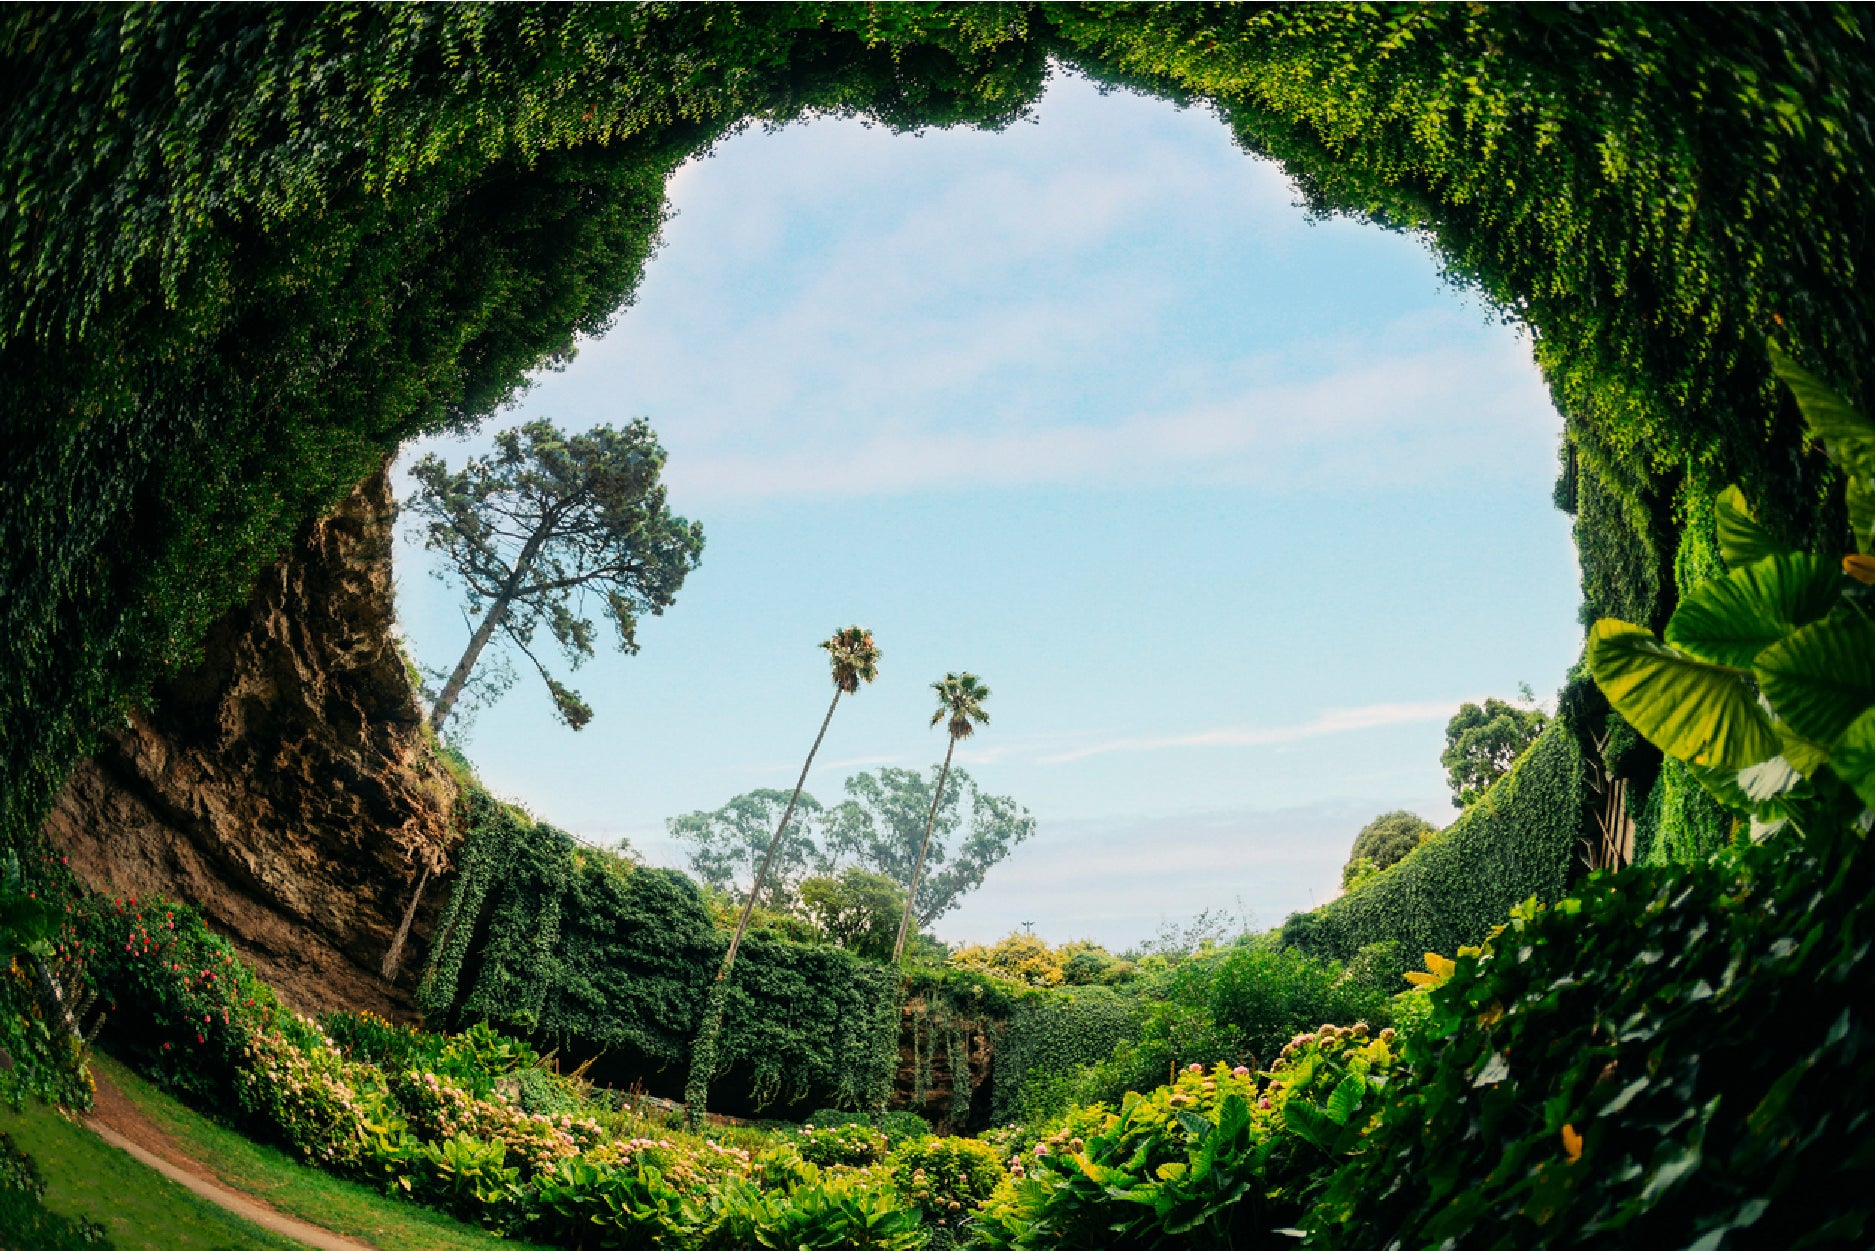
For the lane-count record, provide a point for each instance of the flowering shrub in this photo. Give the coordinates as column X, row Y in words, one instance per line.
column 478, row 1058
column 193, row 1010
column 947, row 1178
column 841, row 1144
column 439, row 1109
column 305, row 1094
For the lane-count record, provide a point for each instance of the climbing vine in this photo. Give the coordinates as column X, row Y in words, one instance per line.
column 546, row 936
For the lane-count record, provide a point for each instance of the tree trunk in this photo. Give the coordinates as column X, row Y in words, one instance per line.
column 704, row 1047
column 391, row 957
column 918, row 871
column 459, row 678
column 742, row 923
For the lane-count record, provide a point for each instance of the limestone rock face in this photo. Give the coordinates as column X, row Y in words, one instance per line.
column 285, row 785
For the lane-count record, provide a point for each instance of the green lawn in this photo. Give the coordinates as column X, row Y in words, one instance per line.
column 315, row 1197
column 139, row 1207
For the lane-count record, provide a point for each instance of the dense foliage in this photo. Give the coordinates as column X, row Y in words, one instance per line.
column 1219, row 1157
column 1519, row 841
column 546, row 936
column 251, row 249
column 1668, row 1058
column 1050, row 1038
column 1023, row 957
column 476, row 1123
column 389, row 215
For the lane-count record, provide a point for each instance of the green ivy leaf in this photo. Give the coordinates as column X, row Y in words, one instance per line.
column 1702, row 713
column 1730, row 620
column 1821, row 677
column 1850, row 758
column 1743, row 541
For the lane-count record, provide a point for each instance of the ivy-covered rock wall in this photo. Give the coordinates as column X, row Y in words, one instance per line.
column 576, row 946
column 1052, row 1034
column 250, row 249
column 1519, row 841
column 285, row 786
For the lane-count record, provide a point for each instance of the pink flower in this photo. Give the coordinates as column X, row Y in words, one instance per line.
column 1240, row 1071
column 1195, row 1068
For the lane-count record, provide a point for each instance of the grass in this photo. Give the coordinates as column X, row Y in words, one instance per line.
column 299, row 1190
column 138, row 1207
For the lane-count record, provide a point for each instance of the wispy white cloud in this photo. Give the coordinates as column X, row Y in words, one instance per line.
column 857, row 762
column 1388, row 419
column 1335, row 721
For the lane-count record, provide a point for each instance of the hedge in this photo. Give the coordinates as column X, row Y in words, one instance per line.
column 1051, row 1035
column 1517, row 842
column 576, row 946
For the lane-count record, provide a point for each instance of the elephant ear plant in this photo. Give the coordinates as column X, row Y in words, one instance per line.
column 1763, row 683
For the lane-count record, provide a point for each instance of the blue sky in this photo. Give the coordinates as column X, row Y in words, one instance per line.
column 1228, row 508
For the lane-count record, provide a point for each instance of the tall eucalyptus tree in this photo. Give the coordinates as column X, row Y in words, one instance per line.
column 531, row 532
column 961, row 705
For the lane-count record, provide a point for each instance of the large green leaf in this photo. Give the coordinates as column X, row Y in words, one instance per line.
column 1850, row 758
column 1702, row 713
column 1346, row 1097
column 1820, row 678
column 1743, row 541
column 1730, row 620
column 1847, row 434
column 1805, row 756
column 1857, row 497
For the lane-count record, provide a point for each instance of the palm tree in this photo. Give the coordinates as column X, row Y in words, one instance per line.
column 961, row 699
column 855, row 659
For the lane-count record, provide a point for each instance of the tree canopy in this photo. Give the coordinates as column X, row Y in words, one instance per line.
column 877, row 828
column 547, row 522
column 1382, row 843
column 1482, row 743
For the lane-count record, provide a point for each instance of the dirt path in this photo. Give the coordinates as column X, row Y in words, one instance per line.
column 119, row 1122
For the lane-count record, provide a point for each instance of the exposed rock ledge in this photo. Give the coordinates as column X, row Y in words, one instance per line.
column 285, row 785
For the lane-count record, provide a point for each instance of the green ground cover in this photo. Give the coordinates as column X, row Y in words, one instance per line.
column 269, row 1174
column 138, row 1207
